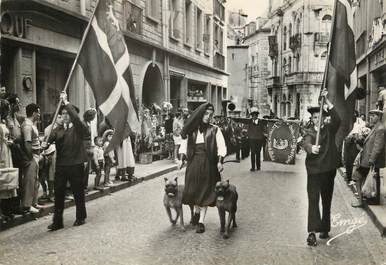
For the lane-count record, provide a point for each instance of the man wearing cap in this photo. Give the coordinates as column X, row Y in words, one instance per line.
column 321, row 164
column 256, row 136
column 373, row 154
column 70, row 159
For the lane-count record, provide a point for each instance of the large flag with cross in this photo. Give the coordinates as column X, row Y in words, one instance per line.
column 105, row 61
column 341, row 73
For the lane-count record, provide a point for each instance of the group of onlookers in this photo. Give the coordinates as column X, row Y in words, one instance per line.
column 59, row 161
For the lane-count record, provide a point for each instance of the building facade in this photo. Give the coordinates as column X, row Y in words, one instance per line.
column 176, row 50
column 258, row 65
column 298, row 54
column 370, row 36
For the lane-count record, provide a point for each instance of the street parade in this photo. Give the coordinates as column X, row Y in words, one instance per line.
column 193, row 132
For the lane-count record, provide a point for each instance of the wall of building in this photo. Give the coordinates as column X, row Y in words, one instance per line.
column 239, row 93
column 302, row 33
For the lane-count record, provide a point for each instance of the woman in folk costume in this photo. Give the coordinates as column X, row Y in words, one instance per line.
column 8, row 183
column 204, row 150
column 126, row 161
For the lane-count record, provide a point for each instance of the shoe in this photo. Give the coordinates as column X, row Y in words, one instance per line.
column 54, row 227
column 195, row 219
column 124, row 179
column 252, row 169
column 79, row 222
column 200, row 228
column 324, row 235
column 33, row 210
column 311, row 240
column 258, row 169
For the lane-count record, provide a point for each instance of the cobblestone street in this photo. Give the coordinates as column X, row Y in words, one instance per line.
column 131, row 227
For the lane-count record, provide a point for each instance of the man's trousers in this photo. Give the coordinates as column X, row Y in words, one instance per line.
column 320, row 186
column 74, row 175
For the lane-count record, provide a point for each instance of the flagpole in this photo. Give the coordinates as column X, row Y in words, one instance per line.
column 324, row 84
column 72, row 69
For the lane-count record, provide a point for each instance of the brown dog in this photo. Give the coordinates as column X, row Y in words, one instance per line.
column 226, row 201
column 173, row 200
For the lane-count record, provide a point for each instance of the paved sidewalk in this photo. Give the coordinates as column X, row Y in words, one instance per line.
column 142, row 173
column 377, row 213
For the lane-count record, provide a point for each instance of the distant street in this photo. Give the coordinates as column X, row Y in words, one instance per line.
column 131, row 227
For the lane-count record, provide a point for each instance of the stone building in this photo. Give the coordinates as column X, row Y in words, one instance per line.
column 258, row 64
column 176, row 50
column 248, row 64
column 298, row 53
column 370, row 36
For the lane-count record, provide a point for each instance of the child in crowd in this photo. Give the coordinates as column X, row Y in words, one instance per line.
column 108, row 157
column 98, row 161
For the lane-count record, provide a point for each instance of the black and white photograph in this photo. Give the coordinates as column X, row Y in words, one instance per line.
column 193, row 132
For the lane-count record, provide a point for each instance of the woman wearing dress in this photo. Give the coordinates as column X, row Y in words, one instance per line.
column 204, row 150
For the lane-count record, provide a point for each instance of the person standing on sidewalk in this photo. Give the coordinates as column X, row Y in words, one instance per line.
column 256, row 131
column 321, row 163
column 31, row 150
column 70, row 159
column 204, row 150
column 373, row 155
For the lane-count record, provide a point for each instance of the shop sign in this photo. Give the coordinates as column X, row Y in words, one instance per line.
column 15, row 25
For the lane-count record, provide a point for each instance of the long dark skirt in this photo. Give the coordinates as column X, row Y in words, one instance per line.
column 200, row 180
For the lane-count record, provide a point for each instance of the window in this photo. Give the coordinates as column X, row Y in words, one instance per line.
column 133, row 16
column 233, row 56
column 290, row 31
column 175, row 23
column 206, row 36
column 253, row 59
column 199, row 24
column 285, row 38
column 188, row 22
column 284, row 66
column 323, row 55
column 326, row 23
column 298, row 26
column 289, row 64
column 153, row 10
column 217, row 39
column 297, row 63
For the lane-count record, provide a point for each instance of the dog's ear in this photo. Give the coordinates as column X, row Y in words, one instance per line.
column 166, row 179
column 175, row 179
column 228, row 181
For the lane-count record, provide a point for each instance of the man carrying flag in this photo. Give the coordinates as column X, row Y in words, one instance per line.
column 323, row 142
column 105, row 61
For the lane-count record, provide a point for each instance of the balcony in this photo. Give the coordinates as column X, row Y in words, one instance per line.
column 219, row 61
column 295, row 42
column 321, row 38
column 304, row 78
column 273, row 47
column 273, row 81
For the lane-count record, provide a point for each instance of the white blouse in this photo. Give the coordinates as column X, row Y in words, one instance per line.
column 221, row 147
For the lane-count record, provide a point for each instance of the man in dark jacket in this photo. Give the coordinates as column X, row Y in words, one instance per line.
column 70, row 159
column 373, row 155
column 256, row 136
column 321, row 164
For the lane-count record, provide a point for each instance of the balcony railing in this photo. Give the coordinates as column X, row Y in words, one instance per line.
column 219, row 61
column 322, row 38
column 273, row 81
column 295, row 41
column 304, row 78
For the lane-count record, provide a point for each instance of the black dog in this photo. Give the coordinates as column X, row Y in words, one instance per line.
column 226, row 202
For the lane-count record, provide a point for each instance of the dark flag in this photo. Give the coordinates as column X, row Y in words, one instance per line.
column 105, row 61
column 281, row 143
column 341, row 74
